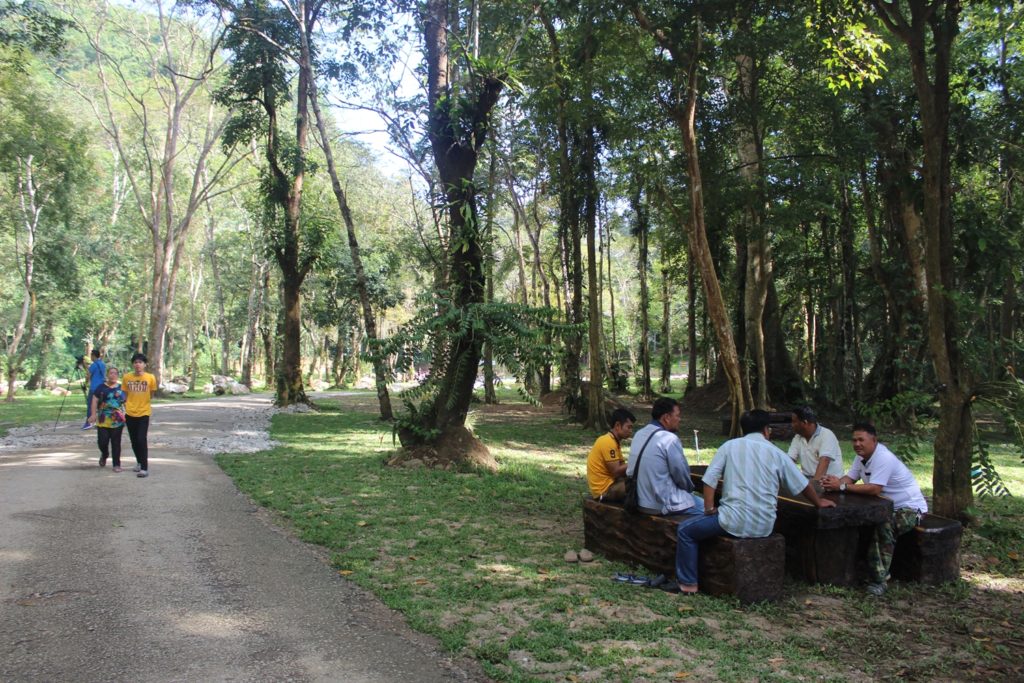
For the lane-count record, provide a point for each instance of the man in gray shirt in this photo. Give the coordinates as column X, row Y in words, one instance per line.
column 663, row 483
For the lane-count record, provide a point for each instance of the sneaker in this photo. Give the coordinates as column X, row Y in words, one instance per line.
column 142, row 473
column 103, row 461
column 85, row 426
column 137, row 468
column 876, row 589
column 117, row 469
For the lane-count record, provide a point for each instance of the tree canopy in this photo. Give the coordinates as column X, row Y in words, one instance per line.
column 760, row 205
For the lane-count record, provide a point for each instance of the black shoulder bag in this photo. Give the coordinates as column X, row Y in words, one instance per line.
column 631, row 502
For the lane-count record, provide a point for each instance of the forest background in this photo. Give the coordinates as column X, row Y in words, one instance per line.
column 768, row 203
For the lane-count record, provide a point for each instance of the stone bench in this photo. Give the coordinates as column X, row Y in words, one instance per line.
column 752, row 569
column 930, row 553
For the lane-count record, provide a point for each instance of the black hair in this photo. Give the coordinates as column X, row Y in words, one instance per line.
column 755, row 421
column 865, row 427
column 139, row 356
column 620, row 416
column 95, row 353
column 663, row 406
column 806, row 414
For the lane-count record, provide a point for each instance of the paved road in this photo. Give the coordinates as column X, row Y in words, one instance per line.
column 106, row 577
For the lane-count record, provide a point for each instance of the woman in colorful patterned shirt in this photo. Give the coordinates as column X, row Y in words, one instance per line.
column 107, row 413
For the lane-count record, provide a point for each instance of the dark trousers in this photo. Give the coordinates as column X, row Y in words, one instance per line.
column 138, row 431
column 109, row 440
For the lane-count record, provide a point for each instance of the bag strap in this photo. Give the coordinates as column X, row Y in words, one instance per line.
column 636, row 469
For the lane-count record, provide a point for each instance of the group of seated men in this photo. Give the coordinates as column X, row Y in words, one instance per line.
column 752, row 471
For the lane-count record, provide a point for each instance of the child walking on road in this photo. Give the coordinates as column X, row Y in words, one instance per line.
column 107, row 413
column 139, row 386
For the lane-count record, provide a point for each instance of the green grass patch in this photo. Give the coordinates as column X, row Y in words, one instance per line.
column 475, row 559
column 31, row 407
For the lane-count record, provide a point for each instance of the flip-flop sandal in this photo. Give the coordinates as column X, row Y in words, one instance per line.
column 623, row 578
column 639, row 580
column 656, row 581
column 572, row 556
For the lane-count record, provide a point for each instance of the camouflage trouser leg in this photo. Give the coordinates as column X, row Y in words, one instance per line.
column 884, row 541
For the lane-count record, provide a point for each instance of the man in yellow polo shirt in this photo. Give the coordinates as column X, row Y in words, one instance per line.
column 606, row 468
column 139, row 386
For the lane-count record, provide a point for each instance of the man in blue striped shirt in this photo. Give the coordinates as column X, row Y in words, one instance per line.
column 752, row 470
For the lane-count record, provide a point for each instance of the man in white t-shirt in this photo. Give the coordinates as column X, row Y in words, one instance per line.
column 883, row 475
column 814, row 448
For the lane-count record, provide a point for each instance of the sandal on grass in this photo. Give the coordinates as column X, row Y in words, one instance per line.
column 656, row 581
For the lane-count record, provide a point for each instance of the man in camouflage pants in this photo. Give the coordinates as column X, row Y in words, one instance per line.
column 885, row 475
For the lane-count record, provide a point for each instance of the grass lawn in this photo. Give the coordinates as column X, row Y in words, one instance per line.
column 476, row 560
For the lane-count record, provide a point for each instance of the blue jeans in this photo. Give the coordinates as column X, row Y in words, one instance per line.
column 690, row 533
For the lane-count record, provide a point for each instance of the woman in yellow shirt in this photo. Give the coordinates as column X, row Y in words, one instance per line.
column 139, row 386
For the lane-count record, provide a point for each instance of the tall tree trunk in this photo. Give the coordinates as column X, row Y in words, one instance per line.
column 26, row 227
column 691, row 324
column 520, row 222
column 758, row 257
column 538, row 266
column 490, row 397
column 195, row 283
column 288, row 181
column 254, row 309
column 166, row 210
column 369, row 322
column 568, row 226
column 851, row 366
column 38, row 378
column 665, row 385
column 929, row 35
column 642, row 230
column 596, row 418
column 685, row 118
column 456, row 158
column 270, row 324
column 218, row 292
column 784, row 382
column 614, row 354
